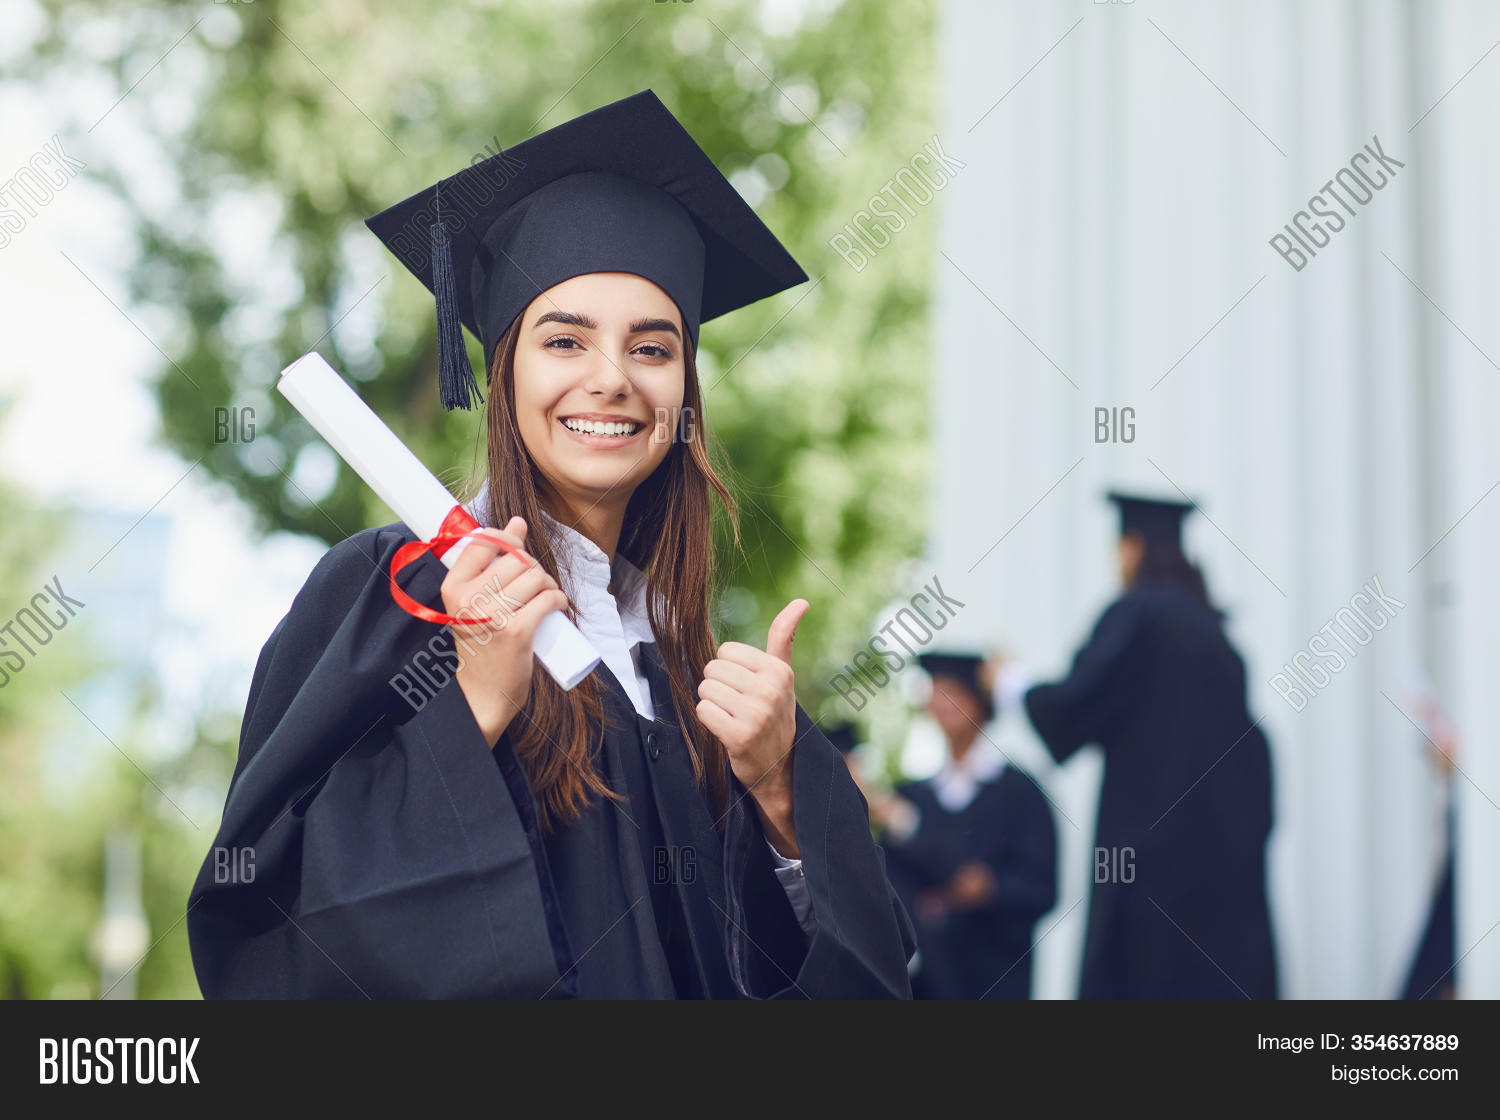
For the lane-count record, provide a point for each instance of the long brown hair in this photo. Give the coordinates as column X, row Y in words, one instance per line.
column 1165, row 563
column 667, row 535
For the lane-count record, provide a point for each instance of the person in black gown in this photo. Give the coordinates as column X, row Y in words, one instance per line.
column 415, row 812
column 971, row 851
column 1178, row 908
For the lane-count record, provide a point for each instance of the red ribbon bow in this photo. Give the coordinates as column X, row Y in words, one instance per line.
column 455, row 527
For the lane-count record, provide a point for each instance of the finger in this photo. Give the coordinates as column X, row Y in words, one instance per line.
column 527, row 584
column 504, row 570
column 716, row 719
column 738, row 677
column 525, row 621
column 500, row 601
column 511, row 544
column 483, row 547
column 738, row 653
column 510, row 562
column 735, row 703
column 784, row 630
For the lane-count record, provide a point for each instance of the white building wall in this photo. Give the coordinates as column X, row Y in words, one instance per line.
column 1111, row 225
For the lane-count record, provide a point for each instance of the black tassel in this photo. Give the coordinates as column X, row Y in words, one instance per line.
column 456, row 384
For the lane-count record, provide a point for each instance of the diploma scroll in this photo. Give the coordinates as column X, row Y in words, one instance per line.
column 390, row 469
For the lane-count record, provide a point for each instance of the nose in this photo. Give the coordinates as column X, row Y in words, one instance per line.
column 604, row 377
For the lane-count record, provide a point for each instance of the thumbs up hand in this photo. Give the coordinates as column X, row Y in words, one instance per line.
column 748, row 699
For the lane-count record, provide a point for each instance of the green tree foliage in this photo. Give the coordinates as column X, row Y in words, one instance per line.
column 321, row 115
column 65, row 789
column 48, row 880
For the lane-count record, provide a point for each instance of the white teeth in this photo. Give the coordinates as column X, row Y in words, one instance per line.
column 601, row 428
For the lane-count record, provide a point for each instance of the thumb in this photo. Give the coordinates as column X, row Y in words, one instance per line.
column 482, row 547
column 784, row 629
column 515, row 527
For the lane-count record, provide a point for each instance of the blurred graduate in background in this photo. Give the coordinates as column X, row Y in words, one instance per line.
column 971, row 852
column 1179, row 906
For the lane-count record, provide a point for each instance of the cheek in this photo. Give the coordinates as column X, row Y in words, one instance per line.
column 666, row 405
column 533, row 402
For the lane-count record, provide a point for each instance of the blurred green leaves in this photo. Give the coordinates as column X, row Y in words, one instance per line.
column 67, row 785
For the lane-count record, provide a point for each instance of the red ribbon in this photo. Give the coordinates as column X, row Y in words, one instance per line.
column 455, row 527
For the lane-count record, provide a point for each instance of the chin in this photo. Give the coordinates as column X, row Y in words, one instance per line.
column 599, row 479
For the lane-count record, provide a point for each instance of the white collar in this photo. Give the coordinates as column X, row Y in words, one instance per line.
column 586, row 576
column 615, row 623
column 957, row 783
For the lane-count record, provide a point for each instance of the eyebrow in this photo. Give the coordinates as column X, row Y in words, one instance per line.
column 569, row 318
column 654, row 325
column 585, row 322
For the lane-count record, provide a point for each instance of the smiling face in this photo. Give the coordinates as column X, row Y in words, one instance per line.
column 956, row 710
column 599, row 360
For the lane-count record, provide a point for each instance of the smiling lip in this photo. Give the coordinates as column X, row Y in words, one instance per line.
column 599, row 439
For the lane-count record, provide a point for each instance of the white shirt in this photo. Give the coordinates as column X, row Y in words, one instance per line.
column 957, row 784
column 615, row 623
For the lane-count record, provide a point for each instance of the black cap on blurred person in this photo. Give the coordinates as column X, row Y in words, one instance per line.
column 1158, row 520
column 621, row 189
column 964, row 668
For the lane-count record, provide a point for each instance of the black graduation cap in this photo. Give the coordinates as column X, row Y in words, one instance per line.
column 844, row 736
column 621, row 189
column 1156, row 519
column 963, row 667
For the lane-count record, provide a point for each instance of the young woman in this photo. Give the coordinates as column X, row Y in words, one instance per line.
column 1178, row 908
column 421, row 812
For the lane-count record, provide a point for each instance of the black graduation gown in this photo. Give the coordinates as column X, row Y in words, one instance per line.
column 982, row 953
column 1179, row 907
column 393, row 854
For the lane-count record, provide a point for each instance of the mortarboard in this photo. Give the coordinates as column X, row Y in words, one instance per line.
column 962, row 667
column 621, row 189
column 1155, row 519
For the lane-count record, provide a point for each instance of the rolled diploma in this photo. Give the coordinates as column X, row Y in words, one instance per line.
column 390, row 469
